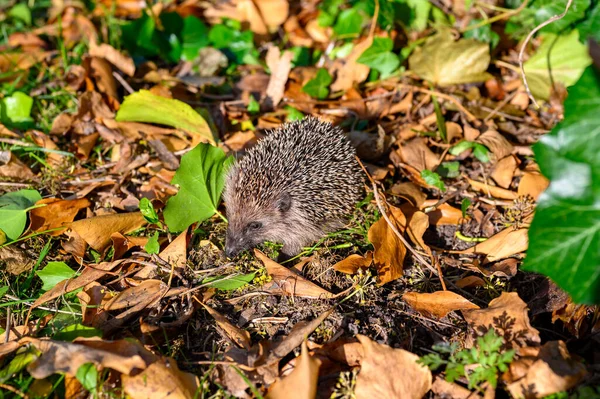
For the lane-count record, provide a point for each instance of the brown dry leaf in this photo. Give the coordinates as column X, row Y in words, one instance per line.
column 389, row 252
column 15, row 260
column 410, row 192
column 347, row 70
column 74, row 245
column 496, row 142
column 451, row 390
column 264, row 16
column 91, row 298
column 88, row 275
column 533, row 184
column 96, row 231
column 133, row 296
column 471, row 281
column 553, row 371
column 13, row 168
column 418, row 223
column 67, row 357
column 101, row 70
column 122, row 244
column 417, row 154
column 507, row 314
column 237, row 335
column 508, row 242
column 445, row 214
column 437, row 304
column 115, row 57
column 18, row 331
column 56, row 213
column 453, row 131
column 301, row 383
column 287, row 282
column 11, row 62
column 354, row 262
column 379, row 373
column 280, row 66
column 504, row 171
column 493, row 191
column 53, row 159
column 161, row 379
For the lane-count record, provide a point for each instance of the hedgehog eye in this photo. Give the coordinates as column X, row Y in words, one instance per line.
column 254, row 225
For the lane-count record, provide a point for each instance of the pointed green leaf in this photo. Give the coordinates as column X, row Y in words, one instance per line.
column 318, row 87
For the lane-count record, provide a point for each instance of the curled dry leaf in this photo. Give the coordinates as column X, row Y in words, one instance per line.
column 445, row 214
column 504, row 171
column 146, row 292
column 417, row 154
column 390, row 373
column 122, row 244
column 453, row 131
column 161, row 379
column 493, row 191
column 285, row 281
column 410, row 192
column 533, row 184
column 437, row 304
column 445, row 389
column 101, row 70
column 508, row 242
column 55, row 213
column 553, row 371
column 13, row 168
column 67, row 357
column 115, row 57
column 389, row 252
column 15, row 260
column 302, row 381
column 506, row 314
column 237, row 335
column 91, row 298
column 96, row 231
column 354, row 262
column 496, row 142
column 263, row 16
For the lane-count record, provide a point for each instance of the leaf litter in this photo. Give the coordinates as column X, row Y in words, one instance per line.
column 118, row 123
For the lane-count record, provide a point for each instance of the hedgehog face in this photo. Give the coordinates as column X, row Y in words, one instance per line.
column 251, row 224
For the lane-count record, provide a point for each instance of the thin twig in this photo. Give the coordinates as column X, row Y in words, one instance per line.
column 8, row 319
column 14, row 298
column 374, row 21
column 13, row 390
column 498, row 17
column 526, row 42
column 123, row 82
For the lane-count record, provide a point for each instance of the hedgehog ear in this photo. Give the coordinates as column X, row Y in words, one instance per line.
column 284, row 202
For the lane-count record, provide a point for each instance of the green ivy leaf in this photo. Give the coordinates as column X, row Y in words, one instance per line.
column 19, row 362
column 480, row 151
column 236, row 45
column 72, row 331
column 293, row 113
column 143, row 106
column 464, row 205
column 152, row 246
column 229, row 284
column 483, row 34
column 565, row 56
column 349, row 23
column 13, row 211
column 433, row 179
column 21, row 12
column 318, row 87
column 87, row 375
column 201, row 177
column 16, row 108
column 253, row 105
column 564, row 237
column 194, row 36
column 380, row 56
column 449, row 170
column 147, row 210
column 54, row 273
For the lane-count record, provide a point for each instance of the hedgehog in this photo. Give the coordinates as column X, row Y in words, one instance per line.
column 297, row 184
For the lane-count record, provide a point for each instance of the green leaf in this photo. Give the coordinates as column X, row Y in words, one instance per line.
column 341, row 51
column 449, row 169
column 147, row 210
column 21, row 12
column 16, row 108
column 54, row 273
column 152, row 246
column 565, row 56
column 481, row 152
column 194, row 36
column 293, row 113
column 439, row 119
column 318, row 87
column 3, row 290
column 461, row 147
column 464, row 205
column 229, row 284
column 483, row 34
column 380, row 57
column 237, row 46
column 23, row 357
column 253, row 105
column 138, row 37
column 72, row 331
column 564, row 237
column 87, row 375
column 349, row 23
column 433, row 179
column 541, row 10
column 13, row 211
column 414, row 13
column 444, row 62
column 201, row 177
column 590, row 26
column 143, row 106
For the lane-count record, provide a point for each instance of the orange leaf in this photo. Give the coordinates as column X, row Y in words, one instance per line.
column 437, row 304
column 389, row 253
